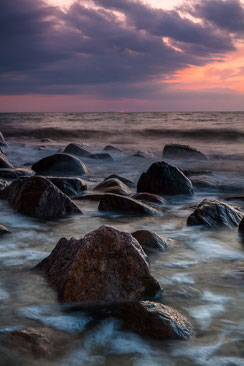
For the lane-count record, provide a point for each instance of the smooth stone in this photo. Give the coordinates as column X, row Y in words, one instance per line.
column 107, row 266
column 113, row 185
column 4, row 230
column 179, row 151
column 166, row 179
column 151, row 242
column 113, row 149
column 77, row 150
column 212, row 213
column 149, row 197
column 101, row 156
column 126, row 181
column 155, row 320
column 60, row 165
column 15, row 173
column 70, row 186
column 117, row 203
column 89, row 197
column 38, row 197
column 4, row 162
column 2, row 140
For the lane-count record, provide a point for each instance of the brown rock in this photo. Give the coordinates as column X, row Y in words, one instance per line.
column 77, row 150
column 149, row 197
column 89, row 197
column 38, row 197
column 126, row 181
column 152, row 242
column 113, row 185
column 106, row 266
column 179, row 151
column 155, row 320
column 70, row 186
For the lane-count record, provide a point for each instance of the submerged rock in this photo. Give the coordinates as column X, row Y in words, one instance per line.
column 151, row 242
column 206, row 183
column 60, row 165
column 38, row 197
column 155, row 320
column 144, row 154
column 117, row 203
column 77, row 150
column 101, row 156
column 106, row 266
column 15, row 173
column 4, row 230
column 163, row 178
column 149, row 197
column 70, row 186
column 2, row 140
column 126, row 181
column 179, row 151
column 213, row 213
column 4, row 162
column 113, row 149
column 113, row 185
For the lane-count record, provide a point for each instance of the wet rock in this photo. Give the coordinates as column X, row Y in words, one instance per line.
column 39, row 342
column 151, row 242
column 106, row 266
column 234, row 198
column 149, row 197
column 144, row 154
column 206, row 183
column 70, row 186
column 241, row 227
column 60, row 165
column 101, row 156
column 4, row 230
column 3, row 184
column 114, row 149
column 2, row 140
column 126, row 181
column 77, row 150
column 163, row 178
column 38, row 197
column 113, row 185
column 179, row 151
column 117, row 203
column 89, row 197
column 154, row 320
column 15, row 173
column 4, row 162
column 213, row 213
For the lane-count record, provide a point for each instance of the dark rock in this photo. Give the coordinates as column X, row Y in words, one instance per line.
column 126, row 181
column 4, row 230
column 15, row 173
column 113, row 185
column 206, row 183
column 241, row 227
column 117, row 203
column 178, row 151
column 60, row 165
column 70, row 186
column 38, row 197
column 113, row 149
column 213, row 213
column 89, row 197
column 234, row 198
column 3, row 184
column 2, row 140
column 163, row 178
column 77, row 150
column 46, row 140
column 149, row 197
column 101, row 156
column 154, row 320
column 106, row 266
column 4, row 162
column 143, row 154
column 152, row 242
column 191, row 172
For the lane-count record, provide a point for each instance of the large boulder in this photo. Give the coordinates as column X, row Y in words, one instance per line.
column 154, row 320
column 106, row 266
column 38, row 197
column 77, row 150
column 2, row 140
column 60, row 164
column 149, row 197
column 163, row 178
column 151, row 242
column 16, row 173
column 117, row 203
column 179, row 151
column 4, row 162
column 212, row 213
column 70, row 186
column 124, row 180
column 113, row 185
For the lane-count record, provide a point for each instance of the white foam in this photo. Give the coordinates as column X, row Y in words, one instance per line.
column 214, row 298
column 203, row 314
column 183, row 278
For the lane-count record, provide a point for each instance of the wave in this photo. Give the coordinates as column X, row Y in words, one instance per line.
column 61, row 133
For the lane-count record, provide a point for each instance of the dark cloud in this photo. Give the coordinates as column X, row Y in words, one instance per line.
column 111, row 49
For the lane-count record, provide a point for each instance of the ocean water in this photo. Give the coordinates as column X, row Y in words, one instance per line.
column 199, row 274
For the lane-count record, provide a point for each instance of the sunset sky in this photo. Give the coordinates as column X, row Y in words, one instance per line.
column 108, row 55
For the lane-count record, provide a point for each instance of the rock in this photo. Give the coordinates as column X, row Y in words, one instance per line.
column 241, row 227
column 126, row 181
column 2, row 140
column 154, row 320
column 163, row 178
column 179, row 151
column 206, row 183
column 89, row 197
column 117, row 203
column 149, row 197
column 77, row 150
column 38, row 197
column 191, row 172
column 15, row 173
column 39, row 342
column 106, row 266
column 4, row 230
column 4, row 162
column 213, row 213
column 60, row 165
column 46, row 140
column 234, row 198
column 143, row 154
column 113, row 185
column 3, row 184
column 113, row 149
column 101, row 156
column 70, row 186
column 152, row 242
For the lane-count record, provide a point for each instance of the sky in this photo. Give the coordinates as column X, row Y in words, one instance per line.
column 111, row 55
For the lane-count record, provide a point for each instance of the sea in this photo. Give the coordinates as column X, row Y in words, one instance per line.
column 202, row 275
